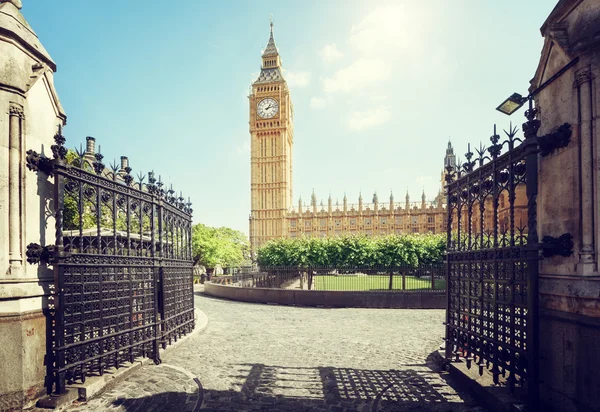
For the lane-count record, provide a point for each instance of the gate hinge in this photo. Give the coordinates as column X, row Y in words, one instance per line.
column 37, row 163
column 36, row 253
column 552, row 141
column 562, row 245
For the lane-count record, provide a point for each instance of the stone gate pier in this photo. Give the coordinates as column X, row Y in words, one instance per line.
column 569, row 203
column 30, row 114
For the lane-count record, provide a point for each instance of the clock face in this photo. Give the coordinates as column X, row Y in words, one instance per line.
column 267, row 108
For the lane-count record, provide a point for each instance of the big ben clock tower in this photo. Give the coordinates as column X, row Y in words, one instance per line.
column 272, row 137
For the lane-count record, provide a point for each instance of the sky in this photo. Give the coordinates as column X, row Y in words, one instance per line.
column 378, row 87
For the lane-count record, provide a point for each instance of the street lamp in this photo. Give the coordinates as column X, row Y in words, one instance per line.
column 512, row 104
column 515, row 101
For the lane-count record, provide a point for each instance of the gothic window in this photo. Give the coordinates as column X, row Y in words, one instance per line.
column 415, row 220
column 367, row 221
column 352, row 222
column 307, row 223
column 383, row 221
column 323, row 223
column 429, row 219
column 292, row 223
column 337, row 223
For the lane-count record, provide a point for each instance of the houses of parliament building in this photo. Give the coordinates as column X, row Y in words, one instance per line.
column 273, row 213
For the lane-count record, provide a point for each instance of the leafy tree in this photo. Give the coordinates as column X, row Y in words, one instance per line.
column 219, row 246
column 389, row 250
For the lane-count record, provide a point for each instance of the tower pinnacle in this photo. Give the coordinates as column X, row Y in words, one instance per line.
column 271, row 49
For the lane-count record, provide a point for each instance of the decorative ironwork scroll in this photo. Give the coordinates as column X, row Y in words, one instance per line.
column 492, row 257
column 122, row 262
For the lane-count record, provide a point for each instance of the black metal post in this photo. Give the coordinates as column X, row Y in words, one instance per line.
column 59, row 282
column 448, row 342
column 530, row 129
column 158, row 296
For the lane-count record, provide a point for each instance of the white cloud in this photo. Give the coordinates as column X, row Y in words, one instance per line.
column 388, row 29
column 317, row 103
column 297, row 79
column 369, row 118
column 356, row 76
column 331, row 53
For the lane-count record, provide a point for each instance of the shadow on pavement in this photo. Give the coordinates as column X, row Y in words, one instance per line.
column 168, row 401
column 261, row 387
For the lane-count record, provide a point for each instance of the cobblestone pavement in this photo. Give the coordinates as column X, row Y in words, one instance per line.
column 150, row 388
column 275, row 358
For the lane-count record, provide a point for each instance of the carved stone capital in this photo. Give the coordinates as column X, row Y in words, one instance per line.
column 16, row 110
column 583, row 76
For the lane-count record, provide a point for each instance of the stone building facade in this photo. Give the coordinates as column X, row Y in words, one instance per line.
column 371, row 219
column 569, row 202
column 272, row 213
column 30, row 114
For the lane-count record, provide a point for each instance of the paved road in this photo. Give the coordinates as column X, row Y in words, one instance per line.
column 276, row 358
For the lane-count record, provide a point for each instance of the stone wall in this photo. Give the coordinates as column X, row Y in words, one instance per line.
column 30, row 113
column 569, row 186
column 333, row 299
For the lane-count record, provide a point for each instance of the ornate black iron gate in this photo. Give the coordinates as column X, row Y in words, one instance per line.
column 492, row 279
column 122, row 265
column 493, row 256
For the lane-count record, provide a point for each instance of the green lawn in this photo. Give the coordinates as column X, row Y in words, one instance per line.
column 373, row 282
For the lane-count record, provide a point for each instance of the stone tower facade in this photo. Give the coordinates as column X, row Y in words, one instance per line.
column 272, row 137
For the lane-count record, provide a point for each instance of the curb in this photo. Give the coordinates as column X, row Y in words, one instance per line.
column 496, row 398
column 96, row 384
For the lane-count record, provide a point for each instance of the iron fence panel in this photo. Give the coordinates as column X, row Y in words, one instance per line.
column 122, row 265
column 492, row 257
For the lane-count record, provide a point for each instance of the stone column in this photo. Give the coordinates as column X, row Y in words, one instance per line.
column 587, row 261
column 14, row 189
